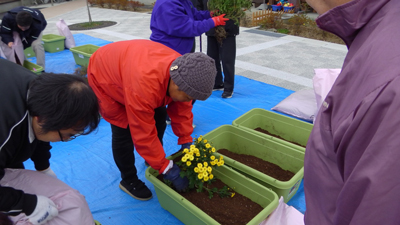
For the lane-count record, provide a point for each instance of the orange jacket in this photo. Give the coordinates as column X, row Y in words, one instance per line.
column 130, row 79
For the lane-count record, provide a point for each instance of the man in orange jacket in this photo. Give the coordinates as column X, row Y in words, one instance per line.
column 133, row 81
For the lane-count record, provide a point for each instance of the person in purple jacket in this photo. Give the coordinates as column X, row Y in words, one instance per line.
column 175, row 23
column 351, row 167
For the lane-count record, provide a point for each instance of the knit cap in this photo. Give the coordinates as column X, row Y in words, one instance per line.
column 194, row 73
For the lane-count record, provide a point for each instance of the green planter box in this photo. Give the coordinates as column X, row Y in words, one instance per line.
column 29, row 52
column 292, row 132
column 82, row 53
column 188, row 213
column 33, row 67
column 242, row 141
column 53, row 43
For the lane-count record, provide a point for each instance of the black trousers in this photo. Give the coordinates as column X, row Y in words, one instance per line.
column 225, row 53
column 123, row 146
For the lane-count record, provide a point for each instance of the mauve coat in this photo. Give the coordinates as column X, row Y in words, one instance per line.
column 352, row 157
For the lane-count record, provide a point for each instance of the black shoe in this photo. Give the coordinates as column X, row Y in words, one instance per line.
column 218, row 87
column 137, row 190
column 227, row 94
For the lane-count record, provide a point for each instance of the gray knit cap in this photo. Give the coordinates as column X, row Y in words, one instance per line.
column 194, row 73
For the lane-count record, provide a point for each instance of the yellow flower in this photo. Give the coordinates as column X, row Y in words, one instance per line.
column 222, row 162
column 212, row 157
column 233, row 194
column 196, row 169
column 185, row 150
column 201, row 170
column 188, row 163
column 199, row 139
column 198, row 154
column 205, row 178
column 213, row 149
column 221, row 157
column 200, row 176
column 205, row 164
column 209, row 169
column 205, row 141
column 191, row 158
column 205, row 174
column 219, row 164
column 192, row 146
column 184, row 159
column 212, row 163
column 211, row 176
column 199, row 165
column 208, row 145
column 216, row 161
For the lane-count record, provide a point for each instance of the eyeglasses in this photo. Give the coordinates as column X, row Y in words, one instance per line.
column 70, row 138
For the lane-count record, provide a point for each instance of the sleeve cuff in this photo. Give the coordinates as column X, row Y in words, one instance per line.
column 30, row 202
column 170, row 165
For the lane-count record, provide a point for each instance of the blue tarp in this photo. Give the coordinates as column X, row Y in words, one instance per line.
column 87, row 165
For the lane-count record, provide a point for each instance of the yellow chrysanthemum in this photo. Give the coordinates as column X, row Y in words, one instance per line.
column 205, row 141
column 216, row 161
column 205, row 174
column 221, row 157
column 208, row 145
column 199, row 139
column 192, row 146
column 185, row 150
column 212, row 157
column 200, row 176
column 199, row 165
column 219, row 164
column 188, row 163
column 209, row 169
column 212, row 163
column 205, row 178
column 198, row 154
column 213, row 149
column 211, row 176
column 191, row 158
column 222, row 162
column 184, row 159
column 196, row 169
column 205, row 164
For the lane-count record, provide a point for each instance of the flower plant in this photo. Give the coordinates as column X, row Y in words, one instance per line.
column 197, row 165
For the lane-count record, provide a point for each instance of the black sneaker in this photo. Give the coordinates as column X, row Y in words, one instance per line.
column 137, row 190
column 227, row 94
column 218, row 87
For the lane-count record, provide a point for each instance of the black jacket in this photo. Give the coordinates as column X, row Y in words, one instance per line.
column 9, row 24
column 15, row 147
column 230, row 27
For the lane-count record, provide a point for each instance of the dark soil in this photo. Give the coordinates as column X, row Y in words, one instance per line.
column 258, row 164
column 91, row 26
column 237, row 210
column 259, row 129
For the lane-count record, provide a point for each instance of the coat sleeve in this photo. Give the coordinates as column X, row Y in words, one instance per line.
column 368, row 160
column 41, row 155
column 6, row 31
column 14, row 202
column 140, row 113
column 201, row 15
column 175, row 22
column 181, row 120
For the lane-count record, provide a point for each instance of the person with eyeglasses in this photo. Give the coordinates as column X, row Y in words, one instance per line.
column 34, row 111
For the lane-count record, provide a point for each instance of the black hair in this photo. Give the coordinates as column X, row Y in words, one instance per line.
column 63, row 101
column 24, row 18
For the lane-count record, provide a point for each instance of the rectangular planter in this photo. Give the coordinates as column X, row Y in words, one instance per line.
column 82, row 53
column 241, row 141
column 29, row 52
column 33, row 67
column 188, row 213
column 292, row 132
column 53, row 43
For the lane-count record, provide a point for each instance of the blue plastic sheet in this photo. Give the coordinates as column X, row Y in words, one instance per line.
column 87, row 165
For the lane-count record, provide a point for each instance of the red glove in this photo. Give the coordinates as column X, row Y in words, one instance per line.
column 219, row 20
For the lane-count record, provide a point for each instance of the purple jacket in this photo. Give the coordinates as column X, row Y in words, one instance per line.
column 175, row 23
column 352, row 163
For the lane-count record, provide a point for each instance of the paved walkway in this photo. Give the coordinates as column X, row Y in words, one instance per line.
column 282, row 60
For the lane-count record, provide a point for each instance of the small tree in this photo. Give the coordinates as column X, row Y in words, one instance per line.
column 90, row 17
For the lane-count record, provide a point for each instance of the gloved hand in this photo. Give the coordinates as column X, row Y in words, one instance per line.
column 49, row 172
column 186, row 145
column 219, row 20
column 172, row 175
column 45, row 210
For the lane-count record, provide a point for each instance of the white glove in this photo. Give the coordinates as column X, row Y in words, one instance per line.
column 49, row 172
column 45, row 210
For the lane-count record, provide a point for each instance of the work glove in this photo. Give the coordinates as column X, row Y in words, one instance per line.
column 172, row 175
column 186, row 145
column 45, row 210
column 49, row 172
column 219, row 20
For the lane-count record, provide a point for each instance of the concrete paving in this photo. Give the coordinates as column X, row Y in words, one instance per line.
column 282, row 60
